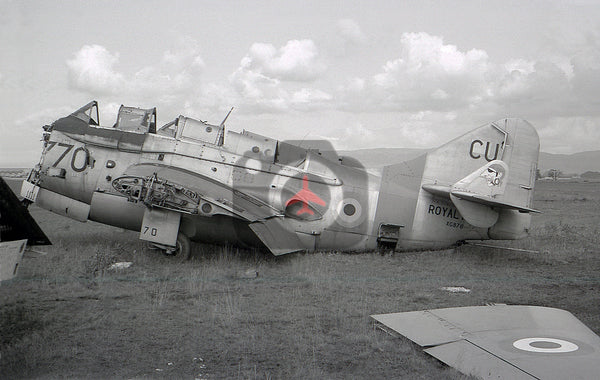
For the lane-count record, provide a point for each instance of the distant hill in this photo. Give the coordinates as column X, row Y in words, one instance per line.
column 14, row 172
column 378, row 157
column 576, row 163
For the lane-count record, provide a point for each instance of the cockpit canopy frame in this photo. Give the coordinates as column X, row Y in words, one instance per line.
column 88, row 113
column 134, row 119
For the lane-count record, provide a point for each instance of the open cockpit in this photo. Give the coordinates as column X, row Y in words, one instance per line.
column 141, row 121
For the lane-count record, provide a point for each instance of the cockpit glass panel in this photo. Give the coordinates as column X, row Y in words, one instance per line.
column 134, row 119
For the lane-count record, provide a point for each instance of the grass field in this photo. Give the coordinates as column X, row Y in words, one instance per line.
column 304, row 316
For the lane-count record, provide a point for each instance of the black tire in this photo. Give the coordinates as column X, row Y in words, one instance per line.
column 183, row 248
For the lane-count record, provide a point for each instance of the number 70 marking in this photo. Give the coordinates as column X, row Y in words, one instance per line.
column 153, row 231
column 67, row 147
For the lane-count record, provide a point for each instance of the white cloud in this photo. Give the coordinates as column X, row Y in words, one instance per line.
column 350, row 31
column 166, row 81
column 267, row 79
column 428, row 84
column 307, row 96
column 439, row 94
column 251, row 84
column 92, row 69
column 170, row 79
column 521, row 65
column 425, row 53
column 586, row 73
column 428, row 74
column 297, row 60
column 569, row 134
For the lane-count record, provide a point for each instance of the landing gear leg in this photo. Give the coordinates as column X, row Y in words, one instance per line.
column 182, row 250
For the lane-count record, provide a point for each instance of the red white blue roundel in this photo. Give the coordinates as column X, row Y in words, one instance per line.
column 349, row 212
column 545, row 345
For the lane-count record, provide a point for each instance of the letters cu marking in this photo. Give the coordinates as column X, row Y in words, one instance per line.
column 476, row 155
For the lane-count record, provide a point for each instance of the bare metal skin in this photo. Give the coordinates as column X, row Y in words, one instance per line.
column 193, row 180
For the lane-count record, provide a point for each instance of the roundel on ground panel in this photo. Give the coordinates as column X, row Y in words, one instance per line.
column 545, row 345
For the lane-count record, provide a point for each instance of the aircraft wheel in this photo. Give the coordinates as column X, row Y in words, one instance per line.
column 182, row 249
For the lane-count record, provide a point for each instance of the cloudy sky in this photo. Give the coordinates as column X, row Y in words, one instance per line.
column 362, row 74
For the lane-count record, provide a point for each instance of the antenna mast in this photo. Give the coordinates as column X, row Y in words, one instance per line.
column 221, row 138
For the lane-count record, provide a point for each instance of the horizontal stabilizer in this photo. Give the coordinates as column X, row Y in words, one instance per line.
column 445, row 191
column 502, row 341
column 478, row 195
column 491, row 202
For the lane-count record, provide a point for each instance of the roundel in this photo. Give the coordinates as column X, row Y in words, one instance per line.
column 545, row 345
column 349, row 212
column 302, row 198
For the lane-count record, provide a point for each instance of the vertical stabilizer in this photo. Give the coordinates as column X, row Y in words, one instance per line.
column 513, row 141
column 488, row 175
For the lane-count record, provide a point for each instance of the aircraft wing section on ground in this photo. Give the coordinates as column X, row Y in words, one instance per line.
column 11, row 253
column 15, row 221
column 502, row 341
column 17, row 229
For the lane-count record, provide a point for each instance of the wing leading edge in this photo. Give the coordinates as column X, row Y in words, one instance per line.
column 502, row 341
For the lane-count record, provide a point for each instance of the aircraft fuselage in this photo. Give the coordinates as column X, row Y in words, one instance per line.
column 252, row 190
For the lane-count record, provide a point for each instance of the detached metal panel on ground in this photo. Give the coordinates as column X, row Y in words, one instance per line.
column 503, row 341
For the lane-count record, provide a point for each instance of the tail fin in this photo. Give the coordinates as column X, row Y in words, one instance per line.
column 513, row 141
column 486, row 171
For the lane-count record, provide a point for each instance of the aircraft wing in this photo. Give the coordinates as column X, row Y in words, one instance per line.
column 15, row 221
column 17, row 229
column 503, row 341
